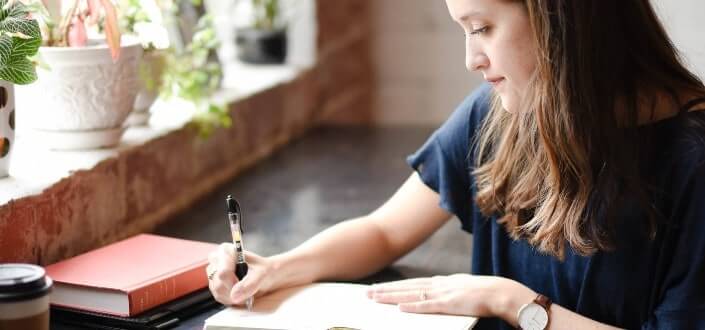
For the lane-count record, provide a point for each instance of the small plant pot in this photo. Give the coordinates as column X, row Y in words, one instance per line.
column 7, row 125
column 84, row 98
column 261, row 46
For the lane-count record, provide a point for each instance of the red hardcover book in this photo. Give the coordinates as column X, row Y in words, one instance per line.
column 131, row 276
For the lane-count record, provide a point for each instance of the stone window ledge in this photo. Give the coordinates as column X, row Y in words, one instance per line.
column 57, row 204
column 34, row 168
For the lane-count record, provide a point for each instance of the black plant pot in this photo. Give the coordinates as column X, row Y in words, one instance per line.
column 261, row 46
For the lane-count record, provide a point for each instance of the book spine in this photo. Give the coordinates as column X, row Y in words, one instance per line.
column 167, row 289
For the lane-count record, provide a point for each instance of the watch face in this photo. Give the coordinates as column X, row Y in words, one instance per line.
column 533, row 317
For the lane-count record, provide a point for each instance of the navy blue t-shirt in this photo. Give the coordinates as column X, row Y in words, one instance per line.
column 642, row 284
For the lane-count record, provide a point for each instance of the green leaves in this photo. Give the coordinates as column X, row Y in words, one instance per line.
column 193, row 75
column 266, row 13
column 20, row 39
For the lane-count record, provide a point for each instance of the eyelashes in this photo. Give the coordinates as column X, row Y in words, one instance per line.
column 477, row 31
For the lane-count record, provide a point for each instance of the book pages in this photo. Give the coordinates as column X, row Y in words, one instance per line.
column 323, row 306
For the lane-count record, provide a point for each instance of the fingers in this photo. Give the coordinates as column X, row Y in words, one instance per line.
column 404, row 284
column 220, row 285
column 220, row 271
column 410, row 285
column 418, row 295
column 400, row 297
column 412, row 295
column 426, row 306
column 252, row 258
column 225, row 257
column 246, row 288
column 223, row 283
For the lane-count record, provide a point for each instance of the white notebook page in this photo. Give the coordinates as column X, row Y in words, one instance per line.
column 321, row 306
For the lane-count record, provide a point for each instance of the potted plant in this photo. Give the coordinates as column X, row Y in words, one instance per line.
column 264, row 40
column 192, row 72
column 19, row 41
column 89, row 78
column 144, row 19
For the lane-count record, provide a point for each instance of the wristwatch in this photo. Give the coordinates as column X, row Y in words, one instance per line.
column 534, row 315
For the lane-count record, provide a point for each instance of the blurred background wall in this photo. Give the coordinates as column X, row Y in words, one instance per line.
column 419, row 58
column 418, row 55
column 685, row 22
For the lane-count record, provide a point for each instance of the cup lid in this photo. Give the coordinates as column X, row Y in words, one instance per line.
column 22, row 282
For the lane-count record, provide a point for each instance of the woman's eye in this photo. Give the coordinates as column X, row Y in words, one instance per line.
column 479, row 30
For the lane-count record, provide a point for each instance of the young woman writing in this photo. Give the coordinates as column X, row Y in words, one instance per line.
column 579, row 169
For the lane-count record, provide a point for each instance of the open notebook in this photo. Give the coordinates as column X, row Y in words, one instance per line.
column 323, row 306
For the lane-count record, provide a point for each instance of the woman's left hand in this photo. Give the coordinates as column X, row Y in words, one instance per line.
column 458, row 294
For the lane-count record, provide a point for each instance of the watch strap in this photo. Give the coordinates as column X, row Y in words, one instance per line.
column 543, row 301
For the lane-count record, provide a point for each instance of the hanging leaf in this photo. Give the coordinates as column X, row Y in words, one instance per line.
column 77, row 36
column 112, row 31
column 20, row 39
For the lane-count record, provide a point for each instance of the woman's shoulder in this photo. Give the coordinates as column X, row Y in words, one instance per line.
column 682, row 144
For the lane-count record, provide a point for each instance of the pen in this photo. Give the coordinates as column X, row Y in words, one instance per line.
column 235, row 219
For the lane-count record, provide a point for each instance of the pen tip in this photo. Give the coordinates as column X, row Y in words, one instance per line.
column 233, row 206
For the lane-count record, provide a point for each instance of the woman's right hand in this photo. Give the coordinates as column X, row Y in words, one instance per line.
column 222, row 282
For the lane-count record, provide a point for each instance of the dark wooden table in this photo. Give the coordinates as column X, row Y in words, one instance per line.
column 329, row 175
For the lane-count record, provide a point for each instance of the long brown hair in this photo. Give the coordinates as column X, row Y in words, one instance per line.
column 556, row 170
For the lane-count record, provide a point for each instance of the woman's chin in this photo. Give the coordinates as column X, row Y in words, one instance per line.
column 507, row 104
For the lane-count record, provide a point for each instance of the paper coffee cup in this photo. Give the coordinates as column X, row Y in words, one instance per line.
column 24, row 297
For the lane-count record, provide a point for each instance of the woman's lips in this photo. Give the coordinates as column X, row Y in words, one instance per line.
column 495, row 82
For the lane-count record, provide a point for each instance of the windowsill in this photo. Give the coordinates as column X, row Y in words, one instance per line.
column 33, row 168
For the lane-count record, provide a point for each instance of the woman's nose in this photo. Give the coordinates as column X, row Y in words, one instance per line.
column 475, row 59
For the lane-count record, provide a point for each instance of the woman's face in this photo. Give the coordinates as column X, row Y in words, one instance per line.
column 498, row 43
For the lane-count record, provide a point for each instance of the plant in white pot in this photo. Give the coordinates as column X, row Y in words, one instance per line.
column 19, row 41
column 144, row 19
column 84, row 96
column 265, row 40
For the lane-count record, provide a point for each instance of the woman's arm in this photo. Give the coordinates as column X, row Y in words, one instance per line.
column 359, row 247
column 349, row 250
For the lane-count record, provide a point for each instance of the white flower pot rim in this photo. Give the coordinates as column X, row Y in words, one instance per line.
column 126, row 41
column 97, row 54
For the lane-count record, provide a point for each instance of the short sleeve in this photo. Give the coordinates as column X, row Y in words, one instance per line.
column 681, row 297
column 444, row 161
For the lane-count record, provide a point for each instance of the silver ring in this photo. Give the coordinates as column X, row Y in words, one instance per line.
column 211, row 274
column 422, row 295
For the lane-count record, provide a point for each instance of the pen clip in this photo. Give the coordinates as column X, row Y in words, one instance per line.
column 234, row 209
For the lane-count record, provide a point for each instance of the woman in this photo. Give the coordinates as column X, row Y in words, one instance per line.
column 580, row 173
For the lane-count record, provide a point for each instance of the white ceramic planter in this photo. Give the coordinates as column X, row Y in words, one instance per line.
column 7, row 125
column 151, row 68
column 83, row 100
